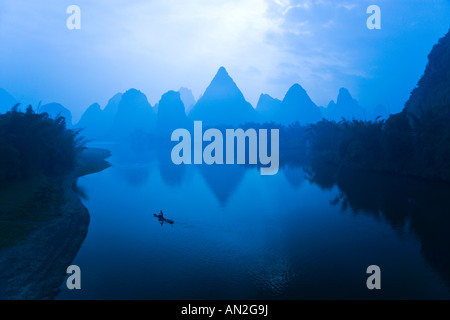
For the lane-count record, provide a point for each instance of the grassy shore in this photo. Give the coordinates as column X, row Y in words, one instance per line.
column 42, row 226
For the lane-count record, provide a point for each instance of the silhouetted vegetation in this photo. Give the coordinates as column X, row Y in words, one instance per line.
column 33, row 144
column 404, row 143
column 432, row 90
column 36, row 153
column 414, row 142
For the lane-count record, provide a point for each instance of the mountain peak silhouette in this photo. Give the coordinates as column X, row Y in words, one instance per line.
column 332, row 104
column 222, row 72
column 298, row 106
column 344, row 96
column 92, row 122
column 89, row 117
column 297, row 87
column 134, row 113
column 346, row 107
column 296, row 92
column 134, row 95
column 222, row 86
column 268, row 107
column 95, row 106
column 223, row 103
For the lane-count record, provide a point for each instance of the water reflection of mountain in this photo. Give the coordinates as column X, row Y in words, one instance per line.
column 222, row 179
column 407, row 204
column 133, row 166
column 171, row 174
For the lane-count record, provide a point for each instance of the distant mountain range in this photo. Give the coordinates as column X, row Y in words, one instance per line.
column 188, row 99
column 97, row 123
column 296, row 106
column 346, row 107
column 222, row 103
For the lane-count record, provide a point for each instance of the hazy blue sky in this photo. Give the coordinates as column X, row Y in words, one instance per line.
column 266, row 46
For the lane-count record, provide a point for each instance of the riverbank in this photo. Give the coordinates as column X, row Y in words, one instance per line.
column 35, row 267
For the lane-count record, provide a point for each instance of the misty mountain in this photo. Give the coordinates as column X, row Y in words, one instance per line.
column 432, row 90
column 414, row 142
column 134, row 113
column 346, row 107
column 112, row 106
column 55, row 110
column 188, row 99
column 110, row 112
column 171, row 114
column 7, row 101
column 95, row 122
column 223, row 103
column 268, row 108
column 92, row 122
column 298, row 106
